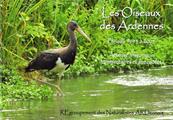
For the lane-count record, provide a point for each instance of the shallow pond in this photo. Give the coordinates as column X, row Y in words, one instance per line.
column 142, row 95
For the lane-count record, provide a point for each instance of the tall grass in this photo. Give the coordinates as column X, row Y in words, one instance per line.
column 14, row 18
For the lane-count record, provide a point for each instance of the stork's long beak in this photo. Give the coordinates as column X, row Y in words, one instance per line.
column 82, row 33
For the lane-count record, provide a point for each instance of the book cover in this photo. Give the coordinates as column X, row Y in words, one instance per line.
column 86, row 59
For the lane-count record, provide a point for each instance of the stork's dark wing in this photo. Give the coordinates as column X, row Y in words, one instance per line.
column 43, row 61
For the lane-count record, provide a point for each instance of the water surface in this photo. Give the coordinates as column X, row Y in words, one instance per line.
column 131, row 96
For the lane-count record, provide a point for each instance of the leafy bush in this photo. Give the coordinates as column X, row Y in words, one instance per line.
column 13, row 86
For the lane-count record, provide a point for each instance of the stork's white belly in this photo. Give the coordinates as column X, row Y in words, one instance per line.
column 60, row 66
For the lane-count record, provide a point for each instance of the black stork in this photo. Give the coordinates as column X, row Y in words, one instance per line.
column 60, row 59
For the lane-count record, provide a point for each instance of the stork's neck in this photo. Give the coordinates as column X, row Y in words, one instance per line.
column 73, row 41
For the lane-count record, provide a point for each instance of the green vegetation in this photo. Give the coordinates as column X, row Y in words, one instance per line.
column 14, row 87
column 30, row 26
